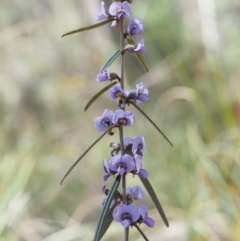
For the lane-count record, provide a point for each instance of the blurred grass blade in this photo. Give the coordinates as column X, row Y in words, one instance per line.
column 88, row 27
column 152, row 194
column 106, row 208
column 110, row 61
column 141, row 232
column 142, row 112
column 139, row 56
column 99, row 94
column 89, row 148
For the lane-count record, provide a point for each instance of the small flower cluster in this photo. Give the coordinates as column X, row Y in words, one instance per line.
column 130, row 162
column 119, row 118
column 129, row 214
column 118, row 10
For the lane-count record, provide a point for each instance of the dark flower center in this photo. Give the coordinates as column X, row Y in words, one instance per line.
column 106, row 122
column 126, row 216
column 121, row 165
column 134, row 26
column 119, row 95
column 140, row 146
column 122, row 122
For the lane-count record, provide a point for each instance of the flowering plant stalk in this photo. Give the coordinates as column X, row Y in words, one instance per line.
column 127, row 154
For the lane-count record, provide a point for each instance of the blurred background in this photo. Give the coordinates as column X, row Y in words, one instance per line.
column 194, row 56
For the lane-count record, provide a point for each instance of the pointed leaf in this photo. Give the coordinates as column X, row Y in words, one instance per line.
column 139, row 56
column 89, row 148
column 110, row 61
column 152, row 194
column 106, row 208
column 108, row 220
column 142, row 112
column 95, row 97
column 89, row 27
column 141, row 232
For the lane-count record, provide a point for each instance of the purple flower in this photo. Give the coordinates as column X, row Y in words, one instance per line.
column 127, row 140
column 126, row 215
column 117, row 92
column 138, row 95
column 144, row 214
column 135, row 27
column 105, row 191
column 138, row 145
column 106, row 75
column 128, row 145
column 136, row 192
column 103, row 14
column 103, row 122
column 132, row 94
column 125, row 118
column 120, row 9
column 121, row 164
column 106, row 170
column 140, row 48
column 142, row 92
column 138, row 162
column 143, row 173
column 103, row 76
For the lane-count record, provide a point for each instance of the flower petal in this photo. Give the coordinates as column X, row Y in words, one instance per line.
column 149, row 222
column 126, row 223
column 133, row 211
column 143, row 173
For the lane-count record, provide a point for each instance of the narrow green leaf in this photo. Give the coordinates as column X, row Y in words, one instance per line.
column 139, row 56
column 106, row 208
column 152, row 194
column 141, row 232
column 89, row 27
column 89, row 148
column 99, row 94
column 110, row 61
column 108, row 220
column 142, row 112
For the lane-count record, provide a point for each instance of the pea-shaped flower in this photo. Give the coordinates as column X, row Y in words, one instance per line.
column 144, row 215
column 135, row 27
column 116, row 92
column 103, row 14
column 120, row 9
column 138, row 145
column 121, row 164
column 136, row 193
column 106, row 170
column 140, row 48
column 142, row 92
column 126, row 215
column 125, row 118
column 103, row 122
column 104, row 76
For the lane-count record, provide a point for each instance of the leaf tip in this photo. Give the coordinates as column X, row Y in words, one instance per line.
column 62, row 181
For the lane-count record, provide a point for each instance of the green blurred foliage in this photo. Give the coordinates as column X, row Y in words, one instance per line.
column 194, row 98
